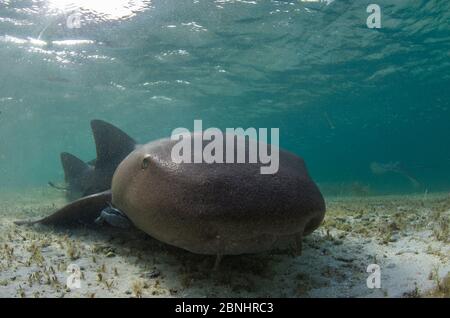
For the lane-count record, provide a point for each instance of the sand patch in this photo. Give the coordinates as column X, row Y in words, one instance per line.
column 407, row 236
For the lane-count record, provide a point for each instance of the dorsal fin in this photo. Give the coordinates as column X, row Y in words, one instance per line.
column 112, row 144
column 73, row 166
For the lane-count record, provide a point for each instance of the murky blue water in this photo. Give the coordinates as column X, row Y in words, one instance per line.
column 368, row 109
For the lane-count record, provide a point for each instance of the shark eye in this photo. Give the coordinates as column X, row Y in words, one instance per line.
column 145, row 162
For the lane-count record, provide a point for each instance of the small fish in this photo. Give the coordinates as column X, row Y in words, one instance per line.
column 114, row 217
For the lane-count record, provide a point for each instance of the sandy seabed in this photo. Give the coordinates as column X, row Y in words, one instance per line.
column 407, row 236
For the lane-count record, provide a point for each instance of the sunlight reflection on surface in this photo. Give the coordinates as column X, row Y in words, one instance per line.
column 108, row 9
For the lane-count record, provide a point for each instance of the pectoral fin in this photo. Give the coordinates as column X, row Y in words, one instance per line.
column 81, row 211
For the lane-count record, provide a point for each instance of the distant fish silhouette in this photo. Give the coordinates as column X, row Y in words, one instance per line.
column 330, row 123
column 57, row 79
column 394, row 167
